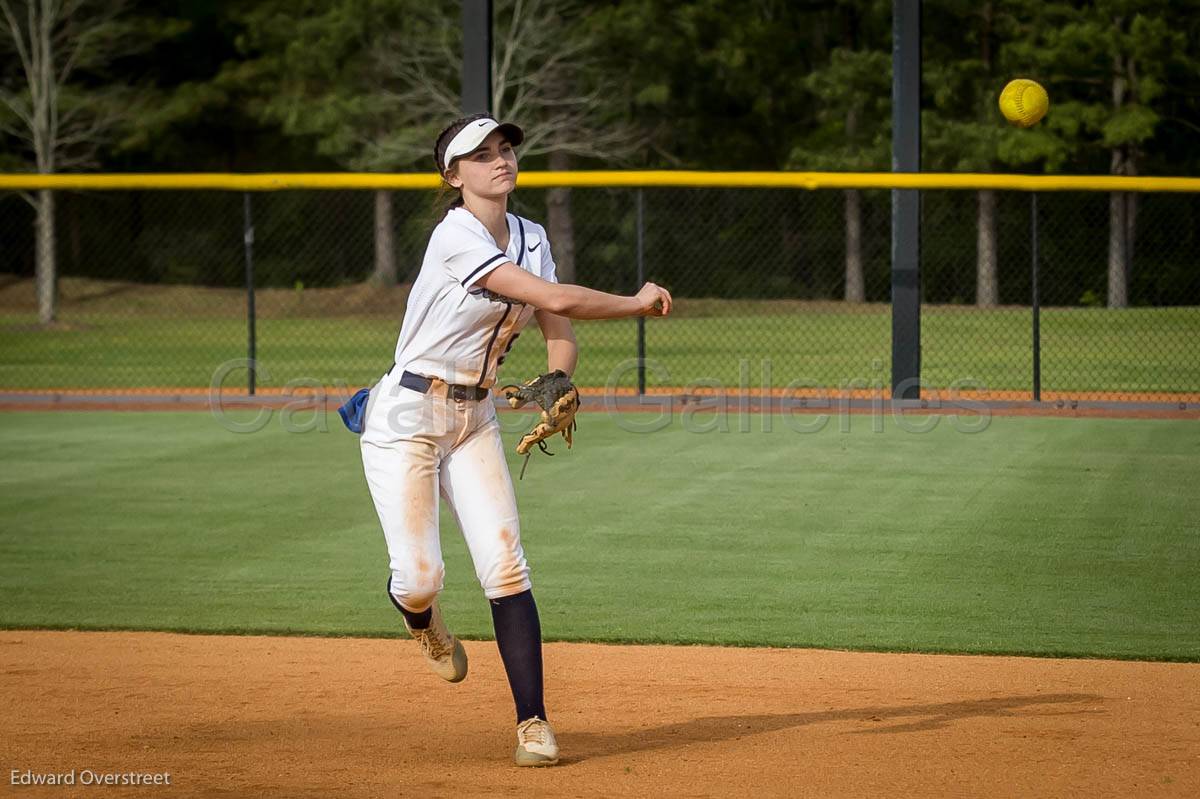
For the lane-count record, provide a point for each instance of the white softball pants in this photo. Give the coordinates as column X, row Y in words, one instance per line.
column 416, row 447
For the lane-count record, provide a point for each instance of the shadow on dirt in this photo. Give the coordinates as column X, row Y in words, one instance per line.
column 911, row 718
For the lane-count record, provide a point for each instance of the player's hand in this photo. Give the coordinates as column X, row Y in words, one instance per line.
column 654, row 300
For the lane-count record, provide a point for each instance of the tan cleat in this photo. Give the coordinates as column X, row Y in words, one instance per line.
column 536, row 745
column 443, row 652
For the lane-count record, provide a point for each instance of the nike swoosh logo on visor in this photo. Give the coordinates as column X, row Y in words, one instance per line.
column 484, row 122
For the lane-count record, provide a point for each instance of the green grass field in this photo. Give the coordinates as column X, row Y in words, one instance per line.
column 1046, row 536
column 1084, row 350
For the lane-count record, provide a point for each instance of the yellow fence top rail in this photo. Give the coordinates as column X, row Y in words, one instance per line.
column 649, row 179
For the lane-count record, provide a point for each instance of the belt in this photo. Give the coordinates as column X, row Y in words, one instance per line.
column 424, row 385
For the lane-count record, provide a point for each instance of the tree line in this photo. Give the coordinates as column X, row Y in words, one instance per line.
column 266, row 85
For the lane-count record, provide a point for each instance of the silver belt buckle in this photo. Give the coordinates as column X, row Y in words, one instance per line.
column 458, row 392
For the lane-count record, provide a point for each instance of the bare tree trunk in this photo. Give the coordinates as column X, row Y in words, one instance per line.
column 1118, row 288
column 1121, row 212
column 987, row 284
column 1131, row 214
column 385, row 241
column 855, row 289
column 1118, row 224
column 45, row 270
column 72, row 206
column 561, row 226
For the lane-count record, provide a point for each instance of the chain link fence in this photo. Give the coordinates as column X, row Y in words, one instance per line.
column 776, row 289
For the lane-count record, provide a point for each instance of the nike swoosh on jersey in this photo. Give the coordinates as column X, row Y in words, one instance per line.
column 535, row 246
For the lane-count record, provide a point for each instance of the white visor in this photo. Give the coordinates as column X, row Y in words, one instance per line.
column 470, row 137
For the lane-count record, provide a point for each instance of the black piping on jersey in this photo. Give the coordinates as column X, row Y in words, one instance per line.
column 487, row 353
column 521, row 249
column 483, row 265
column 508, row 347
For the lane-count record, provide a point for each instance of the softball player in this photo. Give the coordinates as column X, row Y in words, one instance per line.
column 429, row 425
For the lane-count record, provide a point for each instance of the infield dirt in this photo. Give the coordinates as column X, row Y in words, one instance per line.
column 292, row 717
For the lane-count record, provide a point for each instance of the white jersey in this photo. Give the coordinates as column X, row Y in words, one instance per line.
column 453, row 329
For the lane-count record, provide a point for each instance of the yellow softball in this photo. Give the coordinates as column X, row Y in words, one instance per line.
column 1023, row 102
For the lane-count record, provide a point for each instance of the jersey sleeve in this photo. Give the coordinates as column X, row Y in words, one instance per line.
column 467, row 255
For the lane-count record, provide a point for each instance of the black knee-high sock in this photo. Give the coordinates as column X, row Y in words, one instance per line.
column 417, row 621
column 519, row 637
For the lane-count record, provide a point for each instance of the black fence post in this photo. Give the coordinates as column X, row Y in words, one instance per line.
column 906, row 203
column 248, row 240
column 1036, row 302
column 477, row 56
column 641, row 278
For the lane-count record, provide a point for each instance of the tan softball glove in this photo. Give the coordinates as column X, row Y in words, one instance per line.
column 558, row 398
